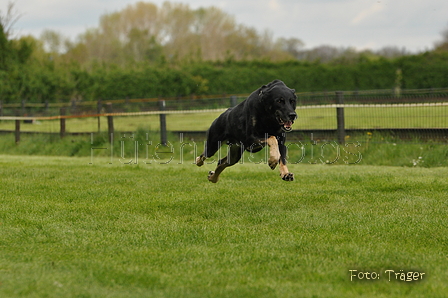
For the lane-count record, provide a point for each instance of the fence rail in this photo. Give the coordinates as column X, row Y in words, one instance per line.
column 171, row 112
column 331, row 115
column 73, row 107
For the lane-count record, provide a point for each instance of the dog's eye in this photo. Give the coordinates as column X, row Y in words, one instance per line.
column 292, row 101
column 280, row 100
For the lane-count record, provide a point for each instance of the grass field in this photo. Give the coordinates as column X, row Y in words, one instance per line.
column 74, row 229
column 316, row 118
column 363, row 149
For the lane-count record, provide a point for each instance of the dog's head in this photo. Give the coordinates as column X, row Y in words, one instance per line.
column 280, row 103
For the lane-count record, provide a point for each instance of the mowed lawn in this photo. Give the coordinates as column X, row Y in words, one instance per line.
column 73, row 229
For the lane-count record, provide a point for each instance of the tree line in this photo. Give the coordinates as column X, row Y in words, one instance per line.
column 149, row 51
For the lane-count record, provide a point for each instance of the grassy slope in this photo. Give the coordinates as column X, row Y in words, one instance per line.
column 70, row 229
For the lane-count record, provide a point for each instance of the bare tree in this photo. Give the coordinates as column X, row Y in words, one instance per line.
column 392, row 52
column 53, row 41
column 9, row 19
column 443, row 44
column 293, row 46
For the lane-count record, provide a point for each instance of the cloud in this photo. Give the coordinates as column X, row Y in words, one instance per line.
column 367, row 13
column 415, row 24
column 274, row 5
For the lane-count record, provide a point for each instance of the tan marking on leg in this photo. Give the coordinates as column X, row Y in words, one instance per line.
column 213, row 176
column 234, row 155
column 200, row 160
column 274, row 152
column 284, row 172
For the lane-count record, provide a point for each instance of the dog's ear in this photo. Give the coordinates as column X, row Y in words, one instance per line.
column 267, row 88
column 262, row 92
column 294, row 93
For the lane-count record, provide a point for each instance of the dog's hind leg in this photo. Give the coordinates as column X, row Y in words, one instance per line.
column 211, row 147
column 200, row 160
column 234, row 155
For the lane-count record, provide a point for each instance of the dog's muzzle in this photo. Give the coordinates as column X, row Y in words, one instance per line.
column 287, row 124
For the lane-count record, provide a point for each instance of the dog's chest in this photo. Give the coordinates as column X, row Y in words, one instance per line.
column 254, row 121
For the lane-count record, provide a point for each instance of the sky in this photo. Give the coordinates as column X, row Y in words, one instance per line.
column 361, row 24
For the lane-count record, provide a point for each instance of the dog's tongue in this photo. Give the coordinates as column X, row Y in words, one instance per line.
column 288, row 124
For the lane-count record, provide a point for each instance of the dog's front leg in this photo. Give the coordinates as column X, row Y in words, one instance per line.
column 274, row 152
column 284, row 172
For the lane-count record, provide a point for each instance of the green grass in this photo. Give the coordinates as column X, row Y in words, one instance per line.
column 371, row 118
column 316, row 118
column 176, row 122
column 362, row 149
column 74, row 229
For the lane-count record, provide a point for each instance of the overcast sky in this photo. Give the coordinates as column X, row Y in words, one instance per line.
column 412, row 24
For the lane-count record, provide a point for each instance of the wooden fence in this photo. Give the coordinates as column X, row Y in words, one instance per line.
column 307, row 103
column 339, row 133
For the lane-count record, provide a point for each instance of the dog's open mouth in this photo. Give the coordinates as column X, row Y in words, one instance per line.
column 286, row 126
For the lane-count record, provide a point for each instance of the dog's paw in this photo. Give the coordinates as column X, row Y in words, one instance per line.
column 288, row 177
column 272, row 162
column 211, row 177
column 199, row 161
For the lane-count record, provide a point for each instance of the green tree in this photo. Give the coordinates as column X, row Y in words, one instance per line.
column 5, row 50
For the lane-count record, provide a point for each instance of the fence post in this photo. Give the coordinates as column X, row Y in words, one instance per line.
column 73, row 106
column 47, row 106
column 340, row 117
column 233, row 100
column 23, row 106
column 110, row 121
column 99, row 107
column 163, row 137
column 17, row 132
column 62, row 122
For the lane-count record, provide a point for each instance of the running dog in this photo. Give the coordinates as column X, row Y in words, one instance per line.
column 262, row 118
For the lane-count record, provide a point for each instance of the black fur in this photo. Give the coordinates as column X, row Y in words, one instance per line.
column 268, row 111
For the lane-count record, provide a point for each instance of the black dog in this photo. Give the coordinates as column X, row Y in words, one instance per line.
column 260, row 119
